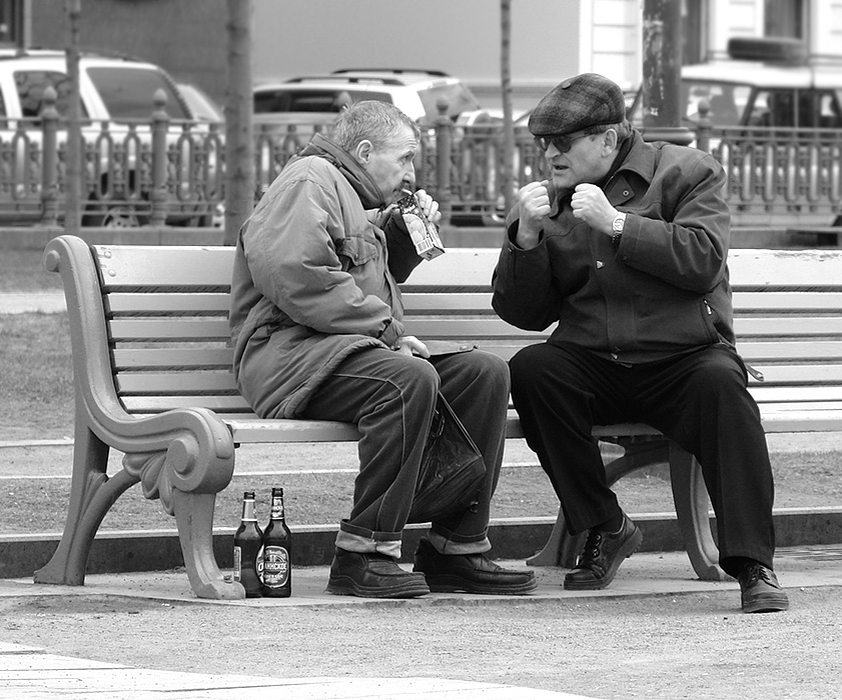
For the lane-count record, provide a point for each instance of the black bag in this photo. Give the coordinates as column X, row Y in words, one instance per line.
column 452, row 469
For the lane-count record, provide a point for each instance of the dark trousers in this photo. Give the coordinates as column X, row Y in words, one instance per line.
column 391, row 398
column 699, row 400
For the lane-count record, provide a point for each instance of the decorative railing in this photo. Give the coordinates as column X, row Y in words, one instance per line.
column 163, row 171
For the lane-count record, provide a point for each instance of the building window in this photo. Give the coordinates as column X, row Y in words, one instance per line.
column 11, row 22
column 784, row 18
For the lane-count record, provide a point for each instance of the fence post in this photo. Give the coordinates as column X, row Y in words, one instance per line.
column 49, row 159
column 160, row 126
column 703, row 127
column 444, row 141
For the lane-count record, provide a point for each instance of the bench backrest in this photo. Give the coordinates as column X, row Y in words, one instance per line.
column 166, row 335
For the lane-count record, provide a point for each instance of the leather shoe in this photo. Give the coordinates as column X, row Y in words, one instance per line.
column 470, row 573
column 602, row 556
column 372, row 575
column 760, row 589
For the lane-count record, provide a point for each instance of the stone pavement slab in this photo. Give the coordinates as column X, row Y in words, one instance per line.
column 27, row 673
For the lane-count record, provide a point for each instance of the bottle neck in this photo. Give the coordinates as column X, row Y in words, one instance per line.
column 248, row 510
column 277, row 512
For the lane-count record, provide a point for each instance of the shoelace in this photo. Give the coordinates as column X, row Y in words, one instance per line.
column 754, row 573
column 593, row 545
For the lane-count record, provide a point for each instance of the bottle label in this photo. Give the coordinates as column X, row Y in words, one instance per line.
column 238, row 564
column 275, row 566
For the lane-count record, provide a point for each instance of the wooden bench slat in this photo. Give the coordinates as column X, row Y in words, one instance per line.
column 182, row 303
column 787, row 326
column 783, row 351
column 163, row 357
column 175, row 383
column 788, row 302
column 170, row 328
column 142, row 405
column 794, row 394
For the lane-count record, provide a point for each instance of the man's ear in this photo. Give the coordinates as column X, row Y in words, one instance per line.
column 363, row 151
column 609, row 143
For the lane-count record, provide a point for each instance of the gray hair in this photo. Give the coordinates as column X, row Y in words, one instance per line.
column 372, row 120
column 623, row 129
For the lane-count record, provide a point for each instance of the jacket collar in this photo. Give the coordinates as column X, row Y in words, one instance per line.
column 639, row 159
column 368, row 191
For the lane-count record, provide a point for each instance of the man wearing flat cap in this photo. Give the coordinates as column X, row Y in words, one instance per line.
column 624, row 248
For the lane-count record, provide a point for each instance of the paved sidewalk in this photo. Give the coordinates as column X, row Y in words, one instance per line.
column 27, row 673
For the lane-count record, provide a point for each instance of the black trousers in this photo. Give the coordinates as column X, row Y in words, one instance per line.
column 699, row 400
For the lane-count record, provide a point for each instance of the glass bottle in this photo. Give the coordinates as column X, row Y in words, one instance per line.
column 277, row 548
column 248, row 540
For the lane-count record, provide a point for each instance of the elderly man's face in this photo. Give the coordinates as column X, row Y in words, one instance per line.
column 588, row 160
column 392, row 167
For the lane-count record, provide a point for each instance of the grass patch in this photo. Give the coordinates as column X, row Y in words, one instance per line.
column 22, row 271
column 802, row 480
column 36, row 376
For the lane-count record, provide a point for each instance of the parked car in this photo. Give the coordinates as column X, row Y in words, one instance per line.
column 201, row 106
column 117, row 101
column 763, row 83
column 317, row 99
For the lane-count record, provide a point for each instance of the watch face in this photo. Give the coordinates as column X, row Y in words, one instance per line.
column 618, row 224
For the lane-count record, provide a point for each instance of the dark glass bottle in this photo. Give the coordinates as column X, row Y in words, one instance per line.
column 247, row 542
column 277, row 548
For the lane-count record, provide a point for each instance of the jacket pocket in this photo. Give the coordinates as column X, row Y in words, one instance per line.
column 356, row 250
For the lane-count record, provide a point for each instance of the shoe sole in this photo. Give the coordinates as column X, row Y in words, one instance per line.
column 629, row 548
column 447, row 583
column 342, row 585
column 768, row 602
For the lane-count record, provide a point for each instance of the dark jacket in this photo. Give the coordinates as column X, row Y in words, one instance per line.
column 313, row 280
column 664, row 291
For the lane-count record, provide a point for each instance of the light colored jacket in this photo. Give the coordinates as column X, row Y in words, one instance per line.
column 311, row 281
column 664, row 291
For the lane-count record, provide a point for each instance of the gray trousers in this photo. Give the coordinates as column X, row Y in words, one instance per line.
column 391, row 398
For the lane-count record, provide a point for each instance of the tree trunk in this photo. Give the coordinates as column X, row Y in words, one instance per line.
column 239, row 142
column 506, row 90
column 73, row 180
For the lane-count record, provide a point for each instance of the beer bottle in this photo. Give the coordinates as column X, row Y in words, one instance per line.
column 247, row 541
column 277, row 547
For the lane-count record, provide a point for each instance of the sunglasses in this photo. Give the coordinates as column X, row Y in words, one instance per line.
column 563, row 142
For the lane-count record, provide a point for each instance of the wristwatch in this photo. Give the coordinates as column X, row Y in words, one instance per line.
column 617, row 227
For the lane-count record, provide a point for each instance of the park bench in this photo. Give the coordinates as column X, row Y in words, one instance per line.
column 152, row 366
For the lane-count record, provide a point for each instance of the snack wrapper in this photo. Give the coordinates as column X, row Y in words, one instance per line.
column 423, row 232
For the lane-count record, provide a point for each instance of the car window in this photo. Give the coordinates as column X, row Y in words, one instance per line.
column 727, row 101
column 267, row 101
column 128, row 93
column 459, row 99
column 31, row 84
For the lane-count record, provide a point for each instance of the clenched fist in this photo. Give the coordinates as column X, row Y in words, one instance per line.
column 534, row 202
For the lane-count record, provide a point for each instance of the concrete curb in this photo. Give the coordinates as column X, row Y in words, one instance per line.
column 132, row 551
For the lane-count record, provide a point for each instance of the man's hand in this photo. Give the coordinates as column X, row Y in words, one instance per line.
column 534, row 202
column 428, row 205
column 590, row 204
column 410, row 345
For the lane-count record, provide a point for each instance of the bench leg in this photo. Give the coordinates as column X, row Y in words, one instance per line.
column 194, row 518
column 92, row 493
column 563, row 549
column 692, row 509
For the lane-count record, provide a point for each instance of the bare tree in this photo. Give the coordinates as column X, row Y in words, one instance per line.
column 506, row 90
column 73, row 179
column 239, row 143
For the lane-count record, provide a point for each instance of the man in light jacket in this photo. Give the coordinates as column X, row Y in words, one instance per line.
column 318, row 333
column 625, row 248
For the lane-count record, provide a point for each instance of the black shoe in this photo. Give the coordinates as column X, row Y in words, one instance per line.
column 470, row 573
column 760, row 590
column 371, row 575
column 602, row 556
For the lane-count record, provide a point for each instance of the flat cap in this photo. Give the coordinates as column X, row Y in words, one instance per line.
column 577, row 103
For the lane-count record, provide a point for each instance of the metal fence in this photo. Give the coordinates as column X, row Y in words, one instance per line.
column 161, row 171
